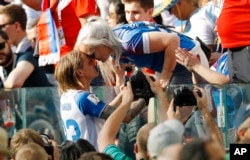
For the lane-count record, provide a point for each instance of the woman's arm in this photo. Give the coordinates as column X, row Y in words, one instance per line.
column 192, row 63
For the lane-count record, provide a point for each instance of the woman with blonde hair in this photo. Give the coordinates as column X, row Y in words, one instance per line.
column 97, row 39
column 142, row 44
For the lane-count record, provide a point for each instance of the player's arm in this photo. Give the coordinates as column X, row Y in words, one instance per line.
column 135, row 108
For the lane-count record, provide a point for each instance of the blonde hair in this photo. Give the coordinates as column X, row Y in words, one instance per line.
column 31, row 151
column 97, row 32
column 24, row 136
column 65, row 72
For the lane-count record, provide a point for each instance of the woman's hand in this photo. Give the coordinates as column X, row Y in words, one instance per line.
column 186, row 59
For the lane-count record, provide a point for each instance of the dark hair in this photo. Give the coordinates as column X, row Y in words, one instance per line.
column 195, row 150
column 95, row 156
column 69, row 151
column 85, row 146
column 4, row 35
column 15, row 13
column 145, row 4
column 119, row 10
column 73, row 150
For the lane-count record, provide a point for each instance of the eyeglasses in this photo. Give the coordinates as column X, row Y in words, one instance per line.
column 3, row 25
column 92, row 56
column 2, row 45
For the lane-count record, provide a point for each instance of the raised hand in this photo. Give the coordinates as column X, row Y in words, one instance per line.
column 187, row 59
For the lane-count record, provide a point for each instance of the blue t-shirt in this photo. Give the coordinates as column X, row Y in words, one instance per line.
column 234, row 94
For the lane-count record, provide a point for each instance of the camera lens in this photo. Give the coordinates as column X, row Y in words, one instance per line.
column 46, row 132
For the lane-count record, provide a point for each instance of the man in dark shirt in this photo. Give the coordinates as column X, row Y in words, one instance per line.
column 19, row 70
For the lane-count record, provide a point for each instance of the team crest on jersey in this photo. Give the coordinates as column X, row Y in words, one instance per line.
column 93, row 98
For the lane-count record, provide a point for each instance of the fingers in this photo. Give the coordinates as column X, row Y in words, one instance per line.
column 186, row 52
column 174, row 109
column 177, row 111
column 164, row 84
column 173, row 112
column 148, row 79
column 128, row 85
column 171, row 105
column 198, row 92
column 127, row 92
column 181, row 55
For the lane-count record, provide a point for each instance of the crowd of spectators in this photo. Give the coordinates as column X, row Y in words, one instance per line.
column 73, row 45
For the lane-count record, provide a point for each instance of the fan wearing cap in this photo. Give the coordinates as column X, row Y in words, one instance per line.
column 163, row 135
column 200, row 20
column 4, row 150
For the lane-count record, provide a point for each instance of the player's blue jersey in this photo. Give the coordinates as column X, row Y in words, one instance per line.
column 134, row 45
column 80, row 112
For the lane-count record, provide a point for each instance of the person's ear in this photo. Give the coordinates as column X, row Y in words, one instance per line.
column 241, row 133
column 17, row 26
column 150, row 11
column 79, row 72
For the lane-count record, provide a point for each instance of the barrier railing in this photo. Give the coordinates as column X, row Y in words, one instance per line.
column 38, row 108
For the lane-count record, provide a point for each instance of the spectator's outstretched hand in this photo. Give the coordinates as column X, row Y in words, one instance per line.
column 186, row 59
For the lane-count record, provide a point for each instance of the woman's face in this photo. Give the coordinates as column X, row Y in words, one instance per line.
column 112, row 18
column 100, row 53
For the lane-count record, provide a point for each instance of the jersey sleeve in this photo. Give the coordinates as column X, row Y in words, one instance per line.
column 90, row 104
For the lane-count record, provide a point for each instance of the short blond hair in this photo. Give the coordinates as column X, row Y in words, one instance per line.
column 24, row 136
column 31, row 151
